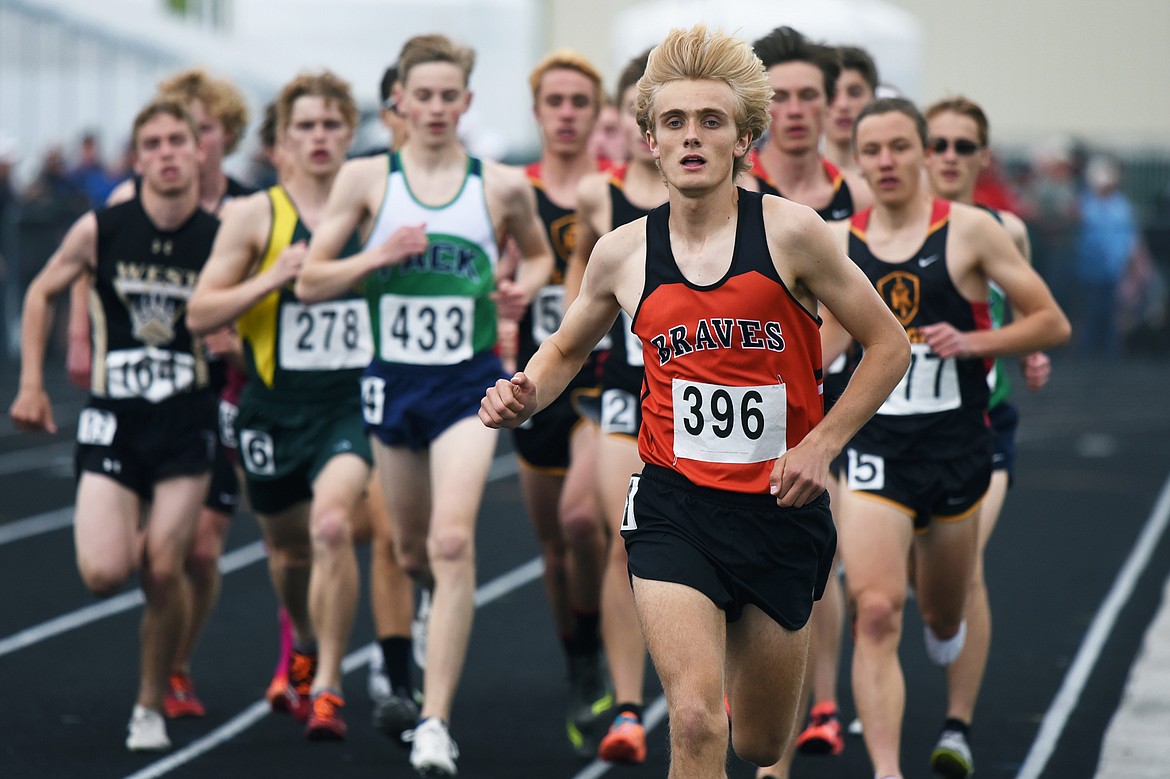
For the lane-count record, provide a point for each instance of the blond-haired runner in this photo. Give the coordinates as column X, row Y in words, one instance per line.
column 722, row 286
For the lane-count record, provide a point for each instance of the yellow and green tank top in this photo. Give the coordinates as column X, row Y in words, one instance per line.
column 295, row 351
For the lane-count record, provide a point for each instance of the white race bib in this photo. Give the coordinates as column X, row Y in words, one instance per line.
column 258, row 452
column 633, row 342
column 865, row 471
column 325, row 336
column 373, row 399
column 930, row 385
column 151, row 373
column 426, row 330
column 548, row 309
column 718, row 424
column 619, row 412
column 96, row 427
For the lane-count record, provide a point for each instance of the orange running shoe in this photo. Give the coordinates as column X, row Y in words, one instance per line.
column 625, row 742
column 325, row 722
column 301, row 670
column 180, row 700
column 823, row 735
column 278, row 692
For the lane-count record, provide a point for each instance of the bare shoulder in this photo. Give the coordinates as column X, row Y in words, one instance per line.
column 970, row 222
column 121, row 193
column 616, row 247
column 1017, row 230
column 592, row 187
column 790, row 225
column 504, row 180
column 250, row 215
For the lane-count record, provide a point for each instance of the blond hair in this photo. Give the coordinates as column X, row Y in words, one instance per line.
column 567, row 59
column 220, row 98
column 699, row 54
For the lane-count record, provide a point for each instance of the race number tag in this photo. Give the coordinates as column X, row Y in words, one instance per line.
column 628, row 521
column 426, row 330
column 865, row 471
column 718, row 424
column 633, row 342
column 151, row 373
column 96, row 427
column 619, row 412
column 228, row 412
column 930, row 385
column 325, row 336
column 548, row 308
column 373, row 399
column 258, row 452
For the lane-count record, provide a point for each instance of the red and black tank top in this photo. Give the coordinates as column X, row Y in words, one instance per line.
column 733, row 369
column 840, row 205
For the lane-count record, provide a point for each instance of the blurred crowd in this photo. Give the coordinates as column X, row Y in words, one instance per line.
column 1104, row 253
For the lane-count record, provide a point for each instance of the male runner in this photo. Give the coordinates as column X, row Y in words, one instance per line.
column 727, row 528
column 606, row 201
column 304, row 453
column 917, row 471
column 855, row 90
column 221, row 115
column 958, row 135
column 146, row 439
column 558, row 452
column 432, row 219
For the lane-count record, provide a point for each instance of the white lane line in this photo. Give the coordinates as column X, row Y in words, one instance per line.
column 45, row 522
column 490, row 591
column 228, row 563
column 1068, row 696
column 652, row 717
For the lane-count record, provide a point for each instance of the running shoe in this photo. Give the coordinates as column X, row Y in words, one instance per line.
column 433, row 753
column 277, row 692
column 625, row 742
column 147, row 731
column 418, row 628
column 590, row 703
column 180, row 700
column 325, row 722
column 298, row 696
column 823, row 735
column 395, row 714
column 952, row 756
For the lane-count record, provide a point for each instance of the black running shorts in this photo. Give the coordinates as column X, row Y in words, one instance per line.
column 735, row 548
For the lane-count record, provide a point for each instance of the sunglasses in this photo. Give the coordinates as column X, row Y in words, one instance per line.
column 963, row 147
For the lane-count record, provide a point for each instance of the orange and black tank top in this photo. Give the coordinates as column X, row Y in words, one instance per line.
column 622, row 366
column 733, row 369
column 840, row 205
column 938, row 409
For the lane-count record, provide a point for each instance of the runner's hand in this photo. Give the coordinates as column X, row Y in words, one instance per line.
column 508, row 403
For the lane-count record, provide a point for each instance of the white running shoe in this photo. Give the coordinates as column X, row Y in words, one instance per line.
column 419, row 627
column 433, row 753
column 147, row 731
column 378, row 683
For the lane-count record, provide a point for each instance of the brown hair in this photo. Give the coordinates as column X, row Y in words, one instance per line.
column 164, row 105
column 785, row 44
column 964, row 107
column 326, row 85
column 422, row 49
column 888, row 105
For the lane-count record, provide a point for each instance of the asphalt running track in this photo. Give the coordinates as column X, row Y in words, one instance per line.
column 1075, row 569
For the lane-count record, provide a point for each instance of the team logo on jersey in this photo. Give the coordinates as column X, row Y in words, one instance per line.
column 449, row 255
column 563, row 233
column 900, row 291
column 156, row 298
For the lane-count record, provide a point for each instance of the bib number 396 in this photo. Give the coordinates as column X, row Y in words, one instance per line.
column 718, row 424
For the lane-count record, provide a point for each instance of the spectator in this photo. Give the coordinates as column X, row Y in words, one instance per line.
column 1053, row 205
column 1108, row 242
column 90, row 174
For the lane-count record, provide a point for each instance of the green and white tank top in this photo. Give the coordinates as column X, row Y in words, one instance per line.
column 435, row 308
